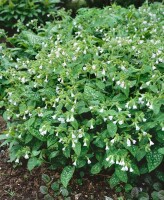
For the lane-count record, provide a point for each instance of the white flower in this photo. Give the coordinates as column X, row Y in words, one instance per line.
column 26, row 156
column 163, row 128
column 112, row 161
column 40, row 67
column 128, row 142
column 107, row 159
column 151, row 143
column 114, row 122
column 107, row 148
column 134, row 107
column 93, row 67
column 121, row 122
column 74, row 163
column 24, row 117
column 118, row 82
column 151, row 107
column 137, row 128
column 91, row 126
column 144, row 119
column 17, row 160
column 62, row 120
column 112, row 141
column 89, row 162
column 54, row 117
column 90, row 107
column 144, row 133
column 85, row 144
column 40, row 114
column 103, row 72
column 105, row 119
column 72, row 119
column 110, row 117
column 101, row 110
column 131, row 170
column 148, row 83
column 73, row 136
column 129, row 115
column 119, row 109
column 134, row 141
column 73, row 144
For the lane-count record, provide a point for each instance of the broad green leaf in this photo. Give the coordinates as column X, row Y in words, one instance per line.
column 114, row 180
column 43, row 189
column 77, row 148
column 112, row 129
column 32, row 162
column 122, row 175
column 55, row 186
column 53, row 154
column 161, row 195
column 96, row 168
column 45, row 178
column 66, row 175
column 154, row 159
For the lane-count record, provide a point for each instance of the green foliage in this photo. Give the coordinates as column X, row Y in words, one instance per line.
column 87, row 92
column 11, row 11
column 66, row 175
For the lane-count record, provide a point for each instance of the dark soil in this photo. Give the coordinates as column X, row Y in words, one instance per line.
column 17, row 183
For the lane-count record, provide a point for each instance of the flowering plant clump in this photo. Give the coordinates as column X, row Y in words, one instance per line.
column 93, row 96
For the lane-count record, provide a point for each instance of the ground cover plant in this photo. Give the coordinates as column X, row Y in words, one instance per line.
column 88, row 93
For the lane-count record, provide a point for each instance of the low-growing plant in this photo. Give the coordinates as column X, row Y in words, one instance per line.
column 93, row 96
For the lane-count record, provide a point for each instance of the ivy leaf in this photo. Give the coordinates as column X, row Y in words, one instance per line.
column 112, row 129
column 122, row 175
column 154, row 159
column 96, row 168
column 66, row 175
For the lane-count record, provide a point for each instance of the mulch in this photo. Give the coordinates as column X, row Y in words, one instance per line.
column 17, row 183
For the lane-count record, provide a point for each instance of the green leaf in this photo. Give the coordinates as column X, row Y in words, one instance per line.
column 157, row 186
column 112, row 129
column 30, row 122
column 46, row 178
column 53, row 154
column 114, row 180
column 161, row 150
column 160, row 175
column 55, row 186
column 122, row 175
column 154, row 195
column 32, row 162
column 96, row 168
column 128, row 187
column 161, row 195
column 64, row 192
column 154, row 159
column 140, row 154
column 43, row 189
column 66, row 175
column 77, row 148
column 48, row 197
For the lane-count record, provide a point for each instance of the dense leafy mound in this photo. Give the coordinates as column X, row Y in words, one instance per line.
column 91, row 95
